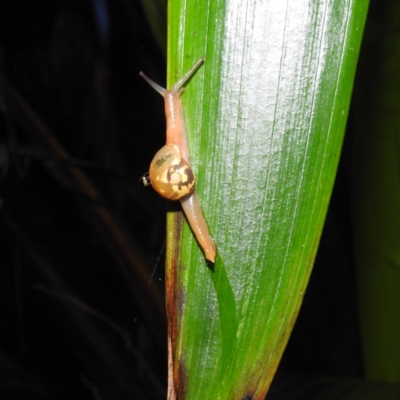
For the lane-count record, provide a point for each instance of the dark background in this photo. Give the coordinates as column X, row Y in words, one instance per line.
column 82, row 310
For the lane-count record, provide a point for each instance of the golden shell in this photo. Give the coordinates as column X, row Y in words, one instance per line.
column 170, row 175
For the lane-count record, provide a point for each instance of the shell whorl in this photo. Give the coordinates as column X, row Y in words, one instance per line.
column 170, row 174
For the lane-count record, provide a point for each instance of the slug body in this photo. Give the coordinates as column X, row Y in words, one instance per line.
column 170, row 172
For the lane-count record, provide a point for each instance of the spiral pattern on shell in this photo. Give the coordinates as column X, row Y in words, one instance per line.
column 170, row 175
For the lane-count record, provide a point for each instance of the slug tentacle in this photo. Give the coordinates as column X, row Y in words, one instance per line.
column 188, row 75
column 154, row 85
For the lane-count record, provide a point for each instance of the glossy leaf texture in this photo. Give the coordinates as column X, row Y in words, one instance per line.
column 265, row 116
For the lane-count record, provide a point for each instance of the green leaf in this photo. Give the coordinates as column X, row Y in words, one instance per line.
column 265, row 117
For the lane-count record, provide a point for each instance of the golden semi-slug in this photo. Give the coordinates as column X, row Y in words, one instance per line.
column 170, row 171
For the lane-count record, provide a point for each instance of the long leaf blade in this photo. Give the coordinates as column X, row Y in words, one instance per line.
column 265, row 118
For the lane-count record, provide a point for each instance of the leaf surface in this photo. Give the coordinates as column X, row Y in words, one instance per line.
column 265, row 117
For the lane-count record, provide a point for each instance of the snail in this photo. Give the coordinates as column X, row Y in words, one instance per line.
column 170, row 173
